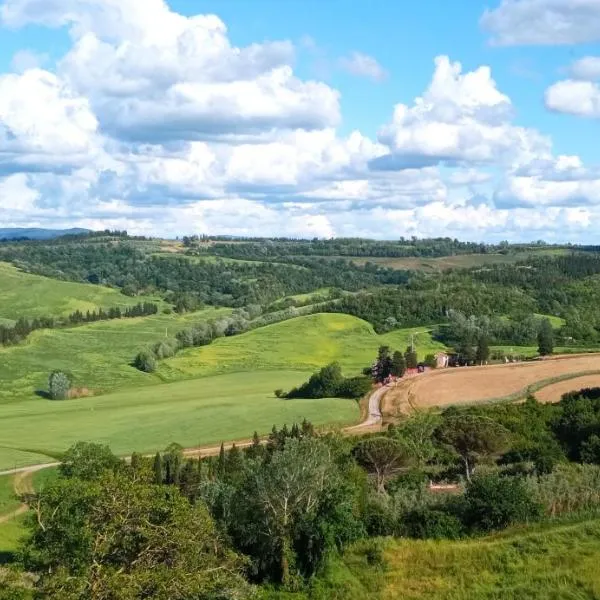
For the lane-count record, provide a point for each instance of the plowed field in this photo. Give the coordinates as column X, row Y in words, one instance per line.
column 467, row 385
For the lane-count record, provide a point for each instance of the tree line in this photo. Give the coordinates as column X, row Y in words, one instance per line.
column 11, row 335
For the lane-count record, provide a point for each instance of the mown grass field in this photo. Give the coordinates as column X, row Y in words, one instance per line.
column 29, row 296
column 308, row 342
column 146, row 419
column 97, row 355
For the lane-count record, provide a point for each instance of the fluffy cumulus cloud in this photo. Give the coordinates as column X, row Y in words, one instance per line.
column 157, row 123
column 580, row 98
column 578, row 95
column 543, row 22
column 462, row 118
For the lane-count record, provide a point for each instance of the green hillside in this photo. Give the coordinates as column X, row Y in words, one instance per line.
column 98, row 355
column 205, row 408
column 540, row 562
column 302, row 343
column 29, row 296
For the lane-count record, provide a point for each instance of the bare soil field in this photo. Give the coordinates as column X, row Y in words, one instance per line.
column 555, row 391
column 466, row 385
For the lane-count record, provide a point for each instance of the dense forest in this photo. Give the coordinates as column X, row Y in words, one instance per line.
column 266, row 521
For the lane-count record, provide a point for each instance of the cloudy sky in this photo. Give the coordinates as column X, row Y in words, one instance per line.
column 477, row 120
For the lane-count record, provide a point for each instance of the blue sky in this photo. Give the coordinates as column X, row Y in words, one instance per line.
column 282, row 118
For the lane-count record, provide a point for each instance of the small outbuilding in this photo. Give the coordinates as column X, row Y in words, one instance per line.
column 442, row 360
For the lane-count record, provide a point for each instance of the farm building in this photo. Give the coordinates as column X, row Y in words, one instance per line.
column 442, row 360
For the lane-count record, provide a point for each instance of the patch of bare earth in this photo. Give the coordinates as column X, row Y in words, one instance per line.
column 555, row 391
column 464, row 385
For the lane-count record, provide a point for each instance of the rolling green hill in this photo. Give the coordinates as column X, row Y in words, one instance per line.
column 302, row 343
column 205, row 408
column 29, row 296
column 98, row 355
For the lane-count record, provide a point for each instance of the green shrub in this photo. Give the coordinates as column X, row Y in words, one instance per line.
column 432, row 523
column 145, row 361
column 493, row 502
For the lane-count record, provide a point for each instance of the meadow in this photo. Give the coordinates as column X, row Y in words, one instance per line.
column 555, row 561
column 219, row 392
column 26, row 295
column 534, row 563
column 146, row 419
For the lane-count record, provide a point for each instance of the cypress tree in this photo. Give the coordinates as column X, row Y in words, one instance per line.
column 221, row 461
column 159, row 477
column 546, row 338
column 482, row 353
column 398, row 364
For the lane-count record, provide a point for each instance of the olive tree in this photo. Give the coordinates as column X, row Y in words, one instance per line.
column 59, row 385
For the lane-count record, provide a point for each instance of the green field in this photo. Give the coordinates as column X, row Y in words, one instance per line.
column 11, row 532
column 146, row 419
column 26, row 295
column 531, row 351
column 8, row 501
column 98, row 355
column 308, row 342
column 226, row 392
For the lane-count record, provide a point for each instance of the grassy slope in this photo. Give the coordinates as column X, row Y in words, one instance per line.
column 8, row 501
column 97, row 355
column 533, row 563
column 541, row 562
column 25, row 295
column 302, row 343
column 200, row 411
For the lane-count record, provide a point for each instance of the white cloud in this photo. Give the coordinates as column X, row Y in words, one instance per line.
column 586, row 68
column 563, row 181
column 461, row 118
column 543, row 22
column 580, row 98
column 43, row 125
column 363, row 65
column 153, row 75
column 156, row 123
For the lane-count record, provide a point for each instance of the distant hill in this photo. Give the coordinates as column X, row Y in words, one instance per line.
column 38, row 234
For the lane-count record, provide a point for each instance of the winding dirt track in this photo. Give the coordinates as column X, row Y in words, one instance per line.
column 466, row 385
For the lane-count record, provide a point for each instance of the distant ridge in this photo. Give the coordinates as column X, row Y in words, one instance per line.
column 38, row 233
